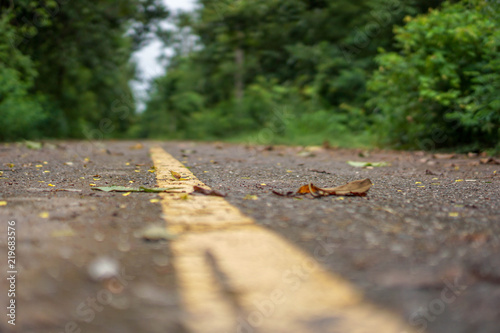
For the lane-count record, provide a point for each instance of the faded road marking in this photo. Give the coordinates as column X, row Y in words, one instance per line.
column 235, row 276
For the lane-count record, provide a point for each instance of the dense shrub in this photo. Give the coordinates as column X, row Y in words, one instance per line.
column 442, row 88
column 290, row 71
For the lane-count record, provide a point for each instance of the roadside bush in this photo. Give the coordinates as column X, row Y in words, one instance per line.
column 441, row 89
column 21, row 114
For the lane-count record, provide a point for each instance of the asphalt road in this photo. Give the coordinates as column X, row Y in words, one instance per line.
column 423, row 244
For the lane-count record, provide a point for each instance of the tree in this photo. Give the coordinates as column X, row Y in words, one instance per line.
column 20, row 113
column 318, row 54
column 81, row 56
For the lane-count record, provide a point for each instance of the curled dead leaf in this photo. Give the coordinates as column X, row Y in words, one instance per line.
column 204, row 191
column 176, row 175
column 489, row 160
column 354, row 188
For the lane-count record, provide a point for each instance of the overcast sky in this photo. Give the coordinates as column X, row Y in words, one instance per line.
column 146, row 58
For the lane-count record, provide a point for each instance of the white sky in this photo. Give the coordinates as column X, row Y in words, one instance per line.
column 147, row 57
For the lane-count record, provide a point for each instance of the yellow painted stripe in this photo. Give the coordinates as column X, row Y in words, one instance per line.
column 235, row 276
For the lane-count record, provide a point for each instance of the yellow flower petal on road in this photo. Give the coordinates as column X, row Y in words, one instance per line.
column 46, row 171
column 418, row 182
column 459, row 180
column 45, row 162
column 3, row 203
column 453, row 214
column 44, row 215
column 126, row 194
column 92, row 184
column 39, row 166
column 51, row 185
column 154, row 200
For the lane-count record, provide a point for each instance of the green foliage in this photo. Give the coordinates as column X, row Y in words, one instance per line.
column 20, row 114
column 247, row 60
column 67, row 65
column 441, row 89
column 286, row 71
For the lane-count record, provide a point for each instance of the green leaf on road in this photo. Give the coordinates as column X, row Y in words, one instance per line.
column 367, row 164
column 356, row 188
column 133, row 189
column 157, row 189
column 154, row 233
column 33, row 145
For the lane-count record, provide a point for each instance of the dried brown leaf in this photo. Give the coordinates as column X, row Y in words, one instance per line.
column 176, row 175
column 444, row 156
column 489, row 160
column 137, row 146
column 355, row 188
column 204, row 191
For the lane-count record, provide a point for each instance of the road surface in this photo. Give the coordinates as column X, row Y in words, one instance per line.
column 418, row 253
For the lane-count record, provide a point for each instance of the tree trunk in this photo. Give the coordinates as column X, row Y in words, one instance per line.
column 239, row 58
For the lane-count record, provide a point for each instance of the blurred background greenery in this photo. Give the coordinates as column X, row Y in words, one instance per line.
column 394, row 73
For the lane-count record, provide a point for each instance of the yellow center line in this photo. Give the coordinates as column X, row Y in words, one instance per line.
column 235, row 276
